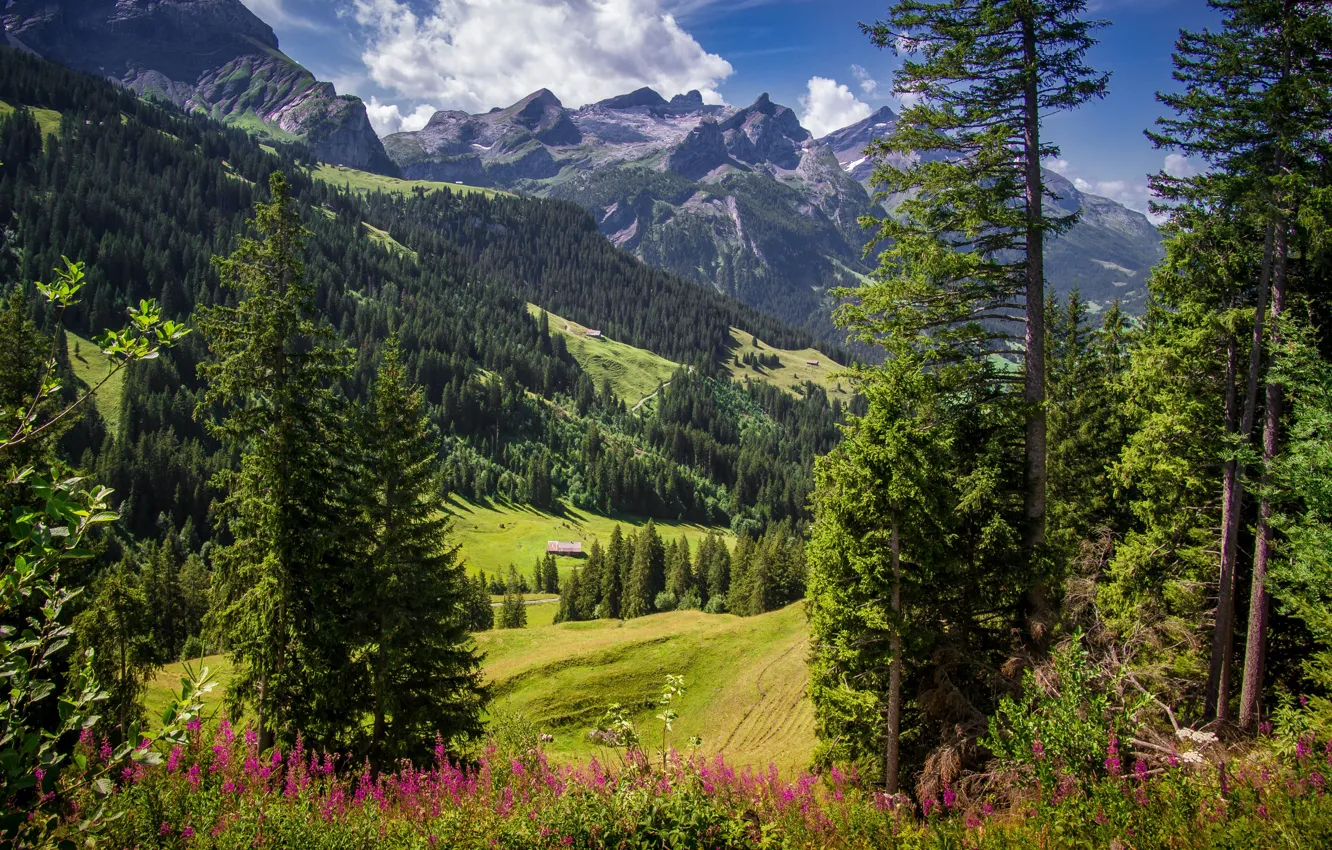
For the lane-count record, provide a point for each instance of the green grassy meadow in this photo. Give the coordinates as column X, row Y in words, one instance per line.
column 745, row 680
column 633, row 372
column 91, row 367
column 494, row 535
column 48, row 120
column 794, row 371
column 364, row 181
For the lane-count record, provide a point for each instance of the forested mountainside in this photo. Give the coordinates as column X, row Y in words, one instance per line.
column 213, row 56
column 743, row 199
column 147, row 196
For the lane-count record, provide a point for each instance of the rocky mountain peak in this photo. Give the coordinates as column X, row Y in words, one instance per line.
column 691, row 100
column 644, row 97
column 213, row 55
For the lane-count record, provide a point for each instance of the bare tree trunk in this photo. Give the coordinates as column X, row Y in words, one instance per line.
column 891, row 755
column 1034, row 385
column 1255, row 649
column 1217, row 700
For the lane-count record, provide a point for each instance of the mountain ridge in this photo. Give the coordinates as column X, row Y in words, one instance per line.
column 744, row 199
column 214, row 56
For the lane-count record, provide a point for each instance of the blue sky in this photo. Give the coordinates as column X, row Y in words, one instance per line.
column 407, row 58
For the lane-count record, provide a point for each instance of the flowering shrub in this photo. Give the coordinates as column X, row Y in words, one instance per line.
column 217, row 790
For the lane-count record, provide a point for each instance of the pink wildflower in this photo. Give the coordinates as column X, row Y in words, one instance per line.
column 1302, row 749
column 1140, row 770
column 173, row 760
column 165, row 829
column 1038, row 749
column 187, row 833
column 949, row 796
column 194, row 776
column 1113, row 765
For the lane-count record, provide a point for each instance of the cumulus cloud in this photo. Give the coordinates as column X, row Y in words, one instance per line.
column 387, row 118
column 868, row 84
column 476, row 54
column 1058, row 166
column 1178, row 165
column 830, row 106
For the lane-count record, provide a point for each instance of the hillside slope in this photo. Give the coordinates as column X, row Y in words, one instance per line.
column 746, row 681
column 213, row 56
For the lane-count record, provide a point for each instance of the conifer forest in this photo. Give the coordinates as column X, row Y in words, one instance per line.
column 351, row 504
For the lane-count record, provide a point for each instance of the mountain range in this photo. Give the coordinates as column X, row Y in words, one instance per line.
column 743, row 199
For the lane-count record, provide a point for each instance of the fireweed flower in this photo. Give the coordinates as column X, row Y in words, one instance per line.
column 173, row 760
column 949, row 796
column 1038, row 749
column 1113, row 765
column 1302, row 749
column 1140, row 770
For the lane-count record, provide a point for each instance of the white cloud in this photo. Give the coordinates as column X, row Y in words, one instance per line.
column 1178, row 165
column 1058, row 166
column 476, row 54
column 1134, row 195
column 275, row 14
column 830, row 106
column 387, row 118
column 868, row 84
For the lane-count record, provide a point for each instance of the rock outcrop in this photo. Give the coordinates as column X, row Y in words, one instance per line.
column 214, row 56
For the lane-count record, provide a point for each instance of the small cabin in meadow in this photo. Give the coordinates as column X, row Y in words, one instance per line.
column 593, row 334
column 555, row 547
column 811, row 362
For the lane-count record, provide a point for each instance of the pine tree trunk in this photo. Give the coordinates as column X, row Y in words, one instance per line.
column 1217, row 700
column 891, row 755
column 1256, row 647
column 1034, row 386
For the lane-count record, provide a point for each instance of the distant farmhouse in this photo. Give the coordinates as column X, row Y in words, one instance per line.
column 593, row 334
column 555, row 547
column 811, row 362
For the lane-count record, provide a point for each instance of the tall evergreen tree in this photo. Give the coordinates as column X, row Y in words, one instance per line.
column 987, row 72
column 612, row 584
column 647, row 573
column 420, row 665
column 1255, row 94
column 270, row 384
column 876, row 550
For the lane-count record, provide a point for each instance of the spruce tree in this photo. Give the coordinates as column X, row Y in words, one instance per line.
column 878, row 545
column 282, row 582
column 971, row 233
column 1255, row 96
column 421, row 666
column 612, row 586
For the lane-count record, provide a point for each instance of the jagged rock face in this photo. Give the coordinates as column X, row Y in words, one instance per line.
column 742, row 199
column 211, row 55
column 701, row 151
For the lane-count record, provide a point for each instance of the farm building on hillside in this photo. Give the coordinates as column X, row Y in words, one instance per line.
column 811, row 362
column 555, row 547
column 593, row 334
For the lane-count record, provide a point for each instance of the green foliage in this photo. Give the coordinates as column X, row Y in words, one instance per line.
column 417, row 663
column 269, row 396
column 512, row 613
column 1065, row 726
